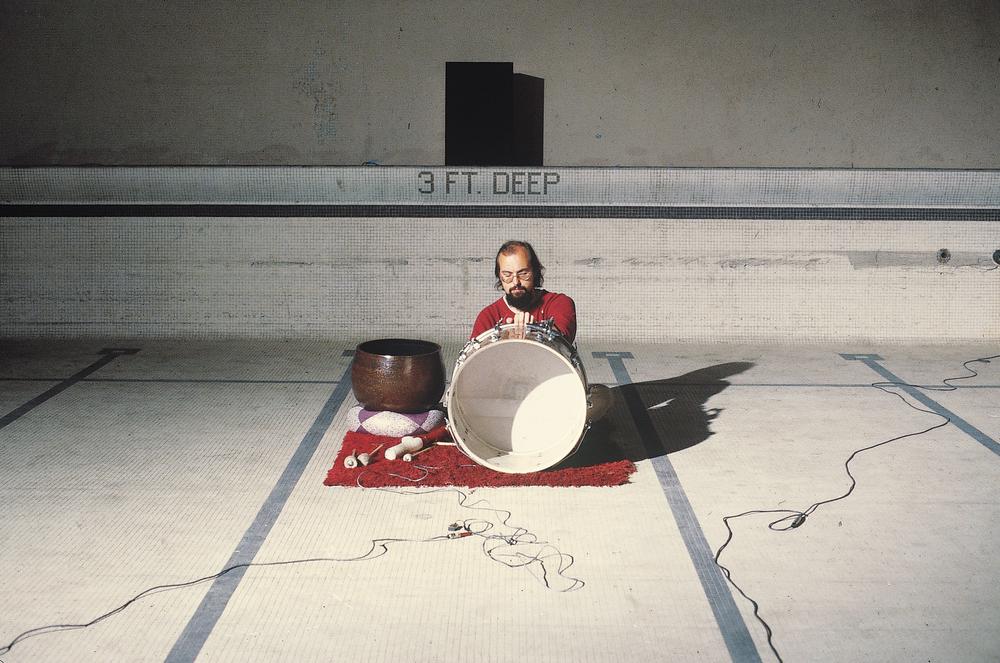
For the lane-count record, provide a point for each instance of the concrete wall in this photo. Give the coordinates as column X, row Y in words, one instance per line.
column 673, row 82
column 869, row 277
column 707, row 281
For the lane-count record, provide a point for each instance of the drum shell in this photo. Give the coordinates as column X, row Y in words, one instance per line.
column 518, row 405
column 398, row 374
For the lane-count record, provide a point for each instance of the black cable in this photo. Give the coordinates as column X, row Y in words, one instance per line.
column 798, row 518
column 379, row 544
column 492, row 543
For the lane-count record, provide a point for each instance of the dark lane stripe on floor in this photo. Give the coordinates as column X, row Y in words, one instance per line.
column 200, row 626
column 734, row 630
column 871, row 361
column 110, row 354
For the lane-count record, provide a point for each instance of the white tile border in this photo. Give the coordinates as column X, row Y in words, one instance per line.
column 437, row 185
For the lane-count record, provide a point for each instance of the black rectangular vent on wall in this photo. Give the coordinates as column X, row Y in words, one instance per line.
column 493, row 117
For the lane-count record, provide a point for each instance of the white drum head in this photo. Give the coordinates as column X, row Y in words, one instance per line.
column 517, row 406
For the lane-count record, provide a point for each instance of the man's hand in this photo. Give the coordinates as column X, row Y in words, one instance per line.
column 521, row 319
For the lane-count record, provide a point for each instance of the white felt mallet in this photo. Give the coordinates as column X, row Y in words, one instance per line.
column 408, row 457
column 366, row 458
column 351, row 461
column 407, row 444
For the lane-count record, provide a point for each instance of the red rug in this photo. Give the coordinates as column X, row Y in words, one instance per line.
column 442, row 465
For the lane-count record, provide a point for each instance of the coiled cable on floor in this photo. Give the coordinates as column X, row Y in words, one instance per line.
column 506, row 549
column 500, row 548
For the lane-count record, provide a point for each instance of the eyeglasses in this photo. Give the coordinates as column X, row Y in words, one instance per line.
column 522, row 275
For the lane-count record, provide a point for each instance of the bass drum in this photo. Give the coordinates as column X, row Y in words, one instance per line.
column 518, row 405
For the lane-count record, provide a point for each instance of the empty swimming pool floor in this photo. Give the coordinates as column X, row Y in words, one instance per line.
column 122, row 471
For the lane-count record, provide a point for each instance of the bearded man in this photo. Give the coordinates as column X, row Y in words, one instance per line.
column 520, row 275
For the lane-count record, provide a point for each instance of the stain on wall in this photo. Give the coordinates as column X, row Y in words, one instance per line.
column 316, row 82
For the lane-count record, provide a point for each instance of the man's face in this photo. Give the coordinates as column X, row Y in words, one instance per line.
column 516, row 277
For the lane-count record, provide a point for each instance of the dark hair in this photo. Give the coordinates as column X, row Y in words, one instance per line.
column 537, row 270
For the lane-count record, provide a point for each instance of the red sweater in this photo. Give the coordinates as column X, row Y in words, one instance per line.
column 552, row 305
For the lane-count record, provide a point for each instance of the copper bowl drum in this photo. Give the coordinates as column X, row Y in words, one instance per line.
column 398, row 374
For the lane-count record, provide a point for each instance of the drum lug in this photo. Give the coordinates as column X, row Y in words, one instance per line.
column 576, row 361
column 549, row 327
column 469, row 348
